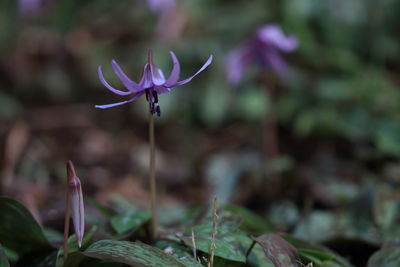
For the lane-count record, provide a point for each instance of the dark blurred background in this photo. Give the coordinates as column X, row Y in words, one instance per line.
column 337, row 113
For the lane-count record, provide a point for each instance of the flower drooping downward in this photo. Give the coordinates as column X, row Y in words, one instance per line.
column 152, row 83
column 265, row 48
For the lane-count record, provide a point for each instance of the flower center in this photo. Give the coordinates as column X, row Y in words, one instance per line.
column 152, row 98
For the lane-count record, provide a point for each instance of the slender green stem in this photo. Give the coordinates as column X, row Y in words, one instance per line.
column 270, row 127
column 152, row 178
column 214, row 233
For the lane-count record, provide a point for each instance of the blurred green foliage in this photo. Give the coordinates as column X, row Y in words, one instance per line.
column 343, row 81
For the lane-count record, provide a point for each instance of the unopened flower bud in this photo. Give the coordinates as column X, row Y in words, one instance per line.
column 76, row 197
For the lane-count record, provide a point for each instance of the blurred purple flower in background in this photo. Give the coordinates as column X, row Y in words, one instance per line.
column 159, row 6
column 152, row 83
column 265, row 48
column 171, row 21
column 29, row 7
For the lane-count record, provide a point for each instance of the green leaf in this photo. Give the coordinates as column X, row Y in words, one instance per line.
column 251, row 221
column 278, row 250
column 74, row 259
column 387, row 210
column 316, row 254
column 134, row 254
column 223, row 248
column 257, row 256
column 227, row 223
column 18, row 229
column 73, row 245
column 3, row 258
column 106, row 211
column 129, row 221
column 53, row 235
column 179, row 252
column 387, row 137
column 388, row 256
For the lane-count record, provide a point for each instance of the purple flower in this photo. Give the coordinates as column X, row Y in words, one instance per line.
column 266, row 47
column 159, row 6
column 152, row 84
column 31, row 7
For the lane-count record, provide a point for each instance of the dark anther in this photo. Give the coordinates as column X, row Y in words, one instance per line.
column 155, row 97
column 158, row 110
column 151, row 107
column 147, row 95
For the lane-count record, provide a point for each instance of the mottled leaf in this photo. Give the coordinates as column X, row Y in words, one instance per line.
column 278, row 250
column 179, row 252
column 134, row 254
column 73, row 245
column 256, row 257
column 223, row 248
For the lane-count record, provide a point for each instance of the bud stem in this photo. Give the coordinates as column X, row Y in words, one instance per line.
column 152, row 178
column 67, row 210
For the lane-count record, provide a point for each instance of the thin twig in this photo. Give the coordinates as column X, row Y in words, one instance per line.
column 249, row 249
column 214, row 233
column 152, row 178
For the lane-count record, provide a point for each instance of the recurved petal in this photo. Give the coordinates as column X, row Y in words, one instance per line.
column 129, row 84
column 109, row 87
column 120, row 103
column 78, row 212
column 273, row 34
column 208, row 62
column 176, row 69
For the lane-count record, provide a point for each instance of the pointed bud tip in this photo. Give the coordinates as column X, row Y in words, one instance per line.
column 150, row 56
column 70, row 170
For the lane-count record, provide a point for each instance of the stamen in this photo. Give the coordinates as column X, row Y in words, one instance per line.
column 155, row 96
column 147, row 95
column 158, row 110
